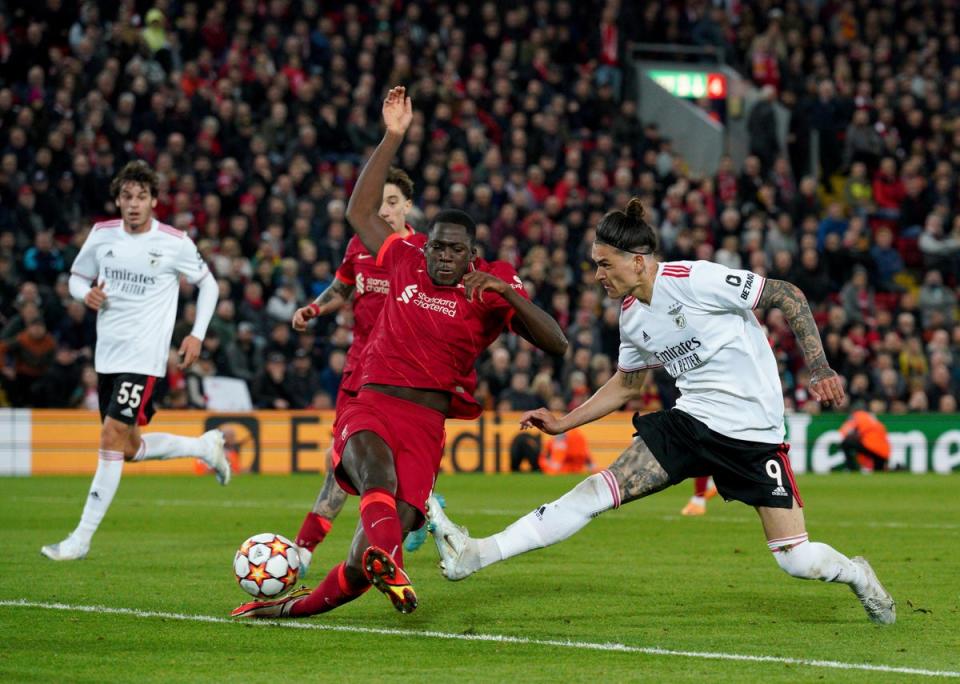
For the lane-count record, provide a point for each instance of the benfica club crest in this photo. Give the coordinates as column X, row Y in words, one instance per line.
column 678, row 318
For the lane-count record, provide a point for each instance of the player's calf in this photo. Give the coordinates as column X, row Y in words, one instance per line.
column 804, row 559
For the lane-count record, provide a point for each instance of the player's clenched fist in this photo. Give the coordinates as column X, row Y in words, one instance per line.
column 96, row 297
column 304, row 315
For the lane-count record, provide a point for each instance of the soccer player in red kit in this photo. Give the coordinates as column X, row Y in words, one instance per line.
column 418, row 370
column 360, row 276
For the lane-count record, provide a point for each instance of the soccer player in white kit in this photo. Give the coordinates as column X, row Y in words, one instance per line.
column 695, row 319
column 128, row 271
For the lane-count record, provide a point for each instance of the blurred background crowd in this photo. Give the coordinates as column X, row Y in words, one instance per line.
column 258, row 114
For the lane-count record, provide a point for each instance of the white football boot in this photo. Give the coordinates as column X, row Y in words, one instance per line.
column 876, row 600
column 69, row 549
column 216, row 458
column 458, row 554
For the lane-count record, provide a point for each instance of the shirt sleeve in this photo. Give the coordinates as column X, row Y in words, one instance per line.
column 190, row 263
column 86, row 265
column 498, row 306
column 632, row 358
column 347, row 272
column 394, row 250
column 716, row 287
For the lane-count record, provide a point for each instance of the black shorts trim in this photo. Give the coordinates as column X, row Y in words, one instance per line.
column 755, row 473
column 126, row 397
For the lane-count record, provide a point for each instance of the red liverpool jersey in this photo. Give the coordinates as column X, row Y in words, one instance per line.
column 371, row 287
column 429, row 336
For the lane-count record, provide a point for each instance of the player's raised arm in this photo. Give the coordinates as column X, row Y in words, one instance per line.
column 825, row 384
column 363, row 208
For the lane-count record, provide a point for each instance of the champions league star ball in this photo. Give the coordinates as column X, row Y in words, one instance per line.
column 267, row 565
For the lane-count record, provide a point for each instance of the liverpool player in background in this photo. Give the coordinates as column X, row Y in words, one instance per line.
column 128, row 271
column 360, row 276
column 417, row 371
column 694, row 318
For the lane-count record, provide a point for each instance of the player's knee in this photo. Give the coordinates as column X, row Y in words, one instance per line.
column 798, row 561
column 115, row 436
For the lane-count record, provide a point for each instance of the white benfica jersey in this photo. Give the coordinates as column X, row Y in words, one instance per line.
column 141, row 276
column 700, row 327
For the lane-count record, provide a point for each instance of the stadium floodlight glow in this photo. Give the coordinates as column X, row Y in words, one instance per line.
column 691, row 84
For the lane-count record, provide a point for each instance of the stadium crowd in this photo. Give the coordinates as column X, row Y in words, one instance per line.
column 257, row 116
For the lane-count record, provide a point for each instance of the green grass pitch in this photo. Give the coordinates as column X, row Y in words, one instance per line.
column 642, row 577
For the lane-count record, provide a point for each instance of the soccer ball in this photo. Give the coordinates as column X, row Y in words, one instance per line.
column 267, row 565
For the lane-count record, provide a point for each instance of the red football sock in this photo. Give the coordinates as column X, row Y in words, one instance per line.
column 700, row 486
column 378, row 512
column 314, row 528
column 332, row 592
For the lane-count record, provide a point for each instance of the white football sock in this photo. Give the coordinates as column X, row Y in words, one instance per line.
column 813, row 560
column 699, row 500
column 553, row 522
column 163, row 446
column 104, row 486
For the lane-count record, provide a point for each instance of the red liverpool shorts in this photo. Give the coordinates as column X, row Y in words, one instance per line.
column 413, row 432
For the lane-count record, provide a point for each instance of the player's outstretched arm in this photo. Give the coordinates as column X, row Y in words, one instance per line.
column 363, row 208
column 825, row 384
column 616, row 392
column 330, row 300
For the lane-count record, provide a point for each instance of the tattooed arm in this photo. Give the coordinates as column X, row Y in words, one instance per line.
column 825, row 384
column 330, row 300
column 616, row 392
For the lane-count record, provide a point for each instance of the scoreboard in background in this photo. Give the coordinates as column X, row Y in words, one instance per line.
column 691, row 84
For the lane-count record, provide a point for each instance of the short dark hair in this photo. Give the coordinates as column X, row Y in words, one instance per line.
column 457, row 217
column 403, row 181
column 627, row 230
column 137, row 171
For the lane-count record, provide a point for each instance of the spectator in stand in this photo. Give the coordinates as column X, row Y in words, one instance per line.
column 26, row 359
column 857, row 191
column 941, row 253
column 302, row 380
column 270, row 388
column 762, row 128
column 887, row 260
column 888, row 189
column 937, row 302
column 862, row 143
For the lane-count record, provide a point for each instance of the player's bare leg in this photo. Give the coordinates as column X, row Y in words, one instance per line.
column 635, row 474
column 318, row 522
column 787, row 538
column 120, row 442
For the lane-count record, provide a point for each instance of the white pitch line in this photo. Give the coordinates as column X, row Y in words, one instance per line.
column 495, row 638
